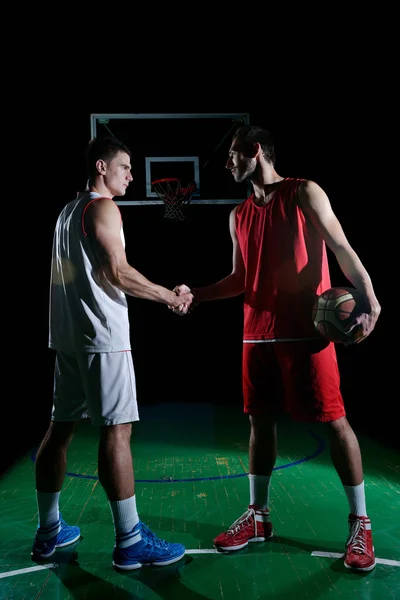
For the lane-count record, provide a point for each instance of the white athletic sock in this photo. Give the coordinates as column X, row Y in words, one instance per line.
column 125, row 517
column 356, row 497
column 48, row 511
column 259, row 490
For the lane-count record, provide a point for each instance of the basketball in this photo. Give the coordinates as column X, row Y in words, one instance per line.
column 332, row 312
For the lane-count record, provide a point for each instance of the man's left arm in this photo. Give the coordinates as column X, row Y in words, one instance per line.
column 316, row 206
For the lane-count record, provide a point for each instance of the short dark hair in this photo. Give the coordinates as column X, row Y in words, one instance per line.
column 105, row 148
column 250, row 134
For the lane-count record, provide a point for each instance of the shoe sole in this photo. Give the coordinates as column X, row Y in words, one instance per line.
column 233, row 548
column 43, row 556
column 360, row 569
column 138, row 565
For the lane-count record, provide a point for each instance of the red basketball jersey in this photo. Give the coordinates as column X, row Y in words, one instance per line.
column 286, row 266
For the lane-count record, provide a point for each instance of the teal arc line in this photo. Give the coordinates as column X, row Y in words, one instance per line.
column 320, row 448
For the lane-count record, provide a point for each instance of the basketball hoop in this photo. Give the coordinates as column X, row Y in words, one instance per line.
column 174, row 196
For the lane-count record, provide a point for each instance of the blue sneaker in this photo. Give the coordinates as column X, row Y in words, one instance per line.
column 149, row 551
column 57, row 536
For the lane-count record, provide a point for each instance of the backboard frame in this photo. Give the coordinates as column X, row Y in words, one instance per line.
column 98, row 118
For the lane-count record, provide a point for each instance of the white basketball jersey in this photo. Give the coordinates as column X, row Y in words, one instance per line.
column 87, row 313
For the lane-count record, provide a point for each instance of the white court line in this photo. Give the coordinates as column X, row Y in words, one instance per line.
column 29, row 570
column 381, row 561
column 207, row 551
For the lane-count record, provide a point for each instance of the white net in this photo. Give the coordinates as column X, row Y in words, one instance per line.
column 174, row 195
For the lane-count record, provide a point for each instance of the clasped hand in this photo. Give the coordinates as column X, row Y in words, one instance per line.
column 187, row 303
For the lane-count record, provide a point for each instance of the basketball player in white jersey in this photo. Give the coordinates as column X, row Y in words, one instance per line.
column 94, row 373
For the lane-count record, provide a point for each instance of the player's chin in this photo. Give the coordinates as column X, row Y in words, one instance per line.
column 240, row 177
column 120, row 192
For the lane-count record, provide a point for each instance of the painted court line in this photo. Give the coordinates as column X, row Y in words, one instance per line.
column 319, row 450
column 381, row 561
column 206, row 551
column 29, row 570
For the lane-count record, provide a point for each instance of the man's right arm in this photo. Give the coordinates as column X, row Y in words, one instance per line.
column 103, row 225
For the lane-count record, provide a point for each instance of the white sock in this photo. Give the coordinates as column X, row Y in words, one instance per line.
column 125, row 517
column 259, row 490
column 48, row 511
column 356, row 497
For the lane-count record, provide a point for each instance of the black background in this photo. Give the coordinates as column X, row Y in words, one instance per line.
column 335, row 127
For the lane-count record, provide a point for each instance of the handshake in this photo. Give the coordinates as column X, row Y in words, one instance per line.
column 187, row 300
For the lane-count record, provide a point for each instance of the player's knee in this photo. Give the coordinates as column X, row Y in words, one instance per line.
column 262, row 424
column 339, row 426
column 120, row 433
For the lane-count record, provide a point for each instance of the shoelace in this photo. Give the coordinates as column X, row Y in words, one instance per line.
column 242, row 521
column 150, row 537
column 356, row 537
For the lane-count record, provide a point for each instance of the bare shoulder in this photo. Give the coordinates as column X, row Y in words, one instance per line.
column 311, row 194
column 308, row 186
column 232, row 223
column 233, row 212
column 102, row 211
column 102, row 204
column 232, row 217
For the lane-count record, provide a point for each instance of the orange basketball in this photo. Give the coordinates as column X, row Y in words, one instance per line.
column 332, row 312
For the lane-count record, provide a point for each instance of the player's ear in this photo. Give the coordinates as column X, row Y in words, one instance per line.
column 257, row 151
column 101, row 166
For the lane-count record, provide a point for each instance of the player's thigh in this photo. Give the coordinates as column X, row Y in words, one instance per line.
column 110, row 386
column 261, row 379
column 311, row 380
column 69, row 402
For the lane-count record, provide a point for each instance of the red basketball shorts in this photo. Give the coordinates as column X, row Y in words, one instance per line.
column 300, row 378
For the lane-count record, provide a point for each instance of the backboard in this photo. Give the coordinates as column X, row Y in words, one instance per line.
column 189, row 146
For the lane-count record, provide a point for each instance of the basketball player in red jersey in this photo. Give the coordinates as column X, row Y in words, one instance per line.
column 279, row 236
column 94, row 373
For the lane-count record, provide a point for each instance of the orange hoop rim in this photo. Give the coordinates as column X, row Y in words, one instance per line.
column 165, row 180
column 190, row 188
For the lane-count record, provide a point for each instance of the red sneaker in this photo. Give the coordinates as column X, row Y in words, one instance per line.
column 360, row 551
column 253, row 526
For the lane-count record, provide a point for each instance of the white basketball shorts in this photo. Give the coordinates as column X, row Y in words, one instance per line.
column 101, row 386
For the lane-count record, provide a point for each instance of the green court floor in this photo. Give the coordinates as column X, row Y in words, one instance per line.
column 191, row 470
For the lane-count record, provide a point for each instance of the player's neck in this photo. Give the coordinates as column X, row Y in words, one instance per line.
column 265, row 188
column 100, row 189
